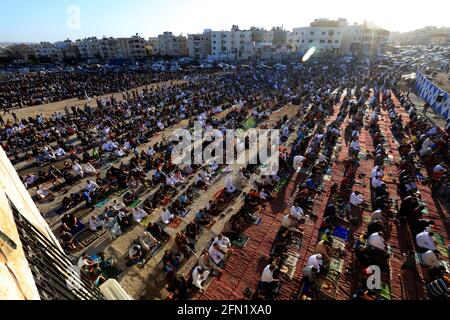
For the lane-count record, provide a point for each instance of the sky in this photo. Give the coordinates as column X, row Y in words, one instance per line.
column 54, row 20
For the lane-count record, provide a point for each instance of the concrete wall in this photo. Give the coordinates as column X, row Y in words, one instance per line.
column 11, row 187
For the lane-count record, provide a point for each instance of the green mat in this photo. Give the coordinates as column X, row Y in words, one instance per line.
column 386, row 291
column 280, row 186
column 135, row 203
column 120, row 192
column 241, row 241
column 250, row 123
column 101, row 203
column 439, row 239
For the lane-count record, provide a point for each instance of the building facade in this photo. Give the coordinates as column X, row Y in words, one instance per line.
column 199, row 45
column 171, row 45
column 234, row 44
column 364, row 40
column 323, row 34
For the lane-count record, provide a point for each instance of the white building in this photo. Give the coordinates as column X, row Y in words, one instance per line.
column 170, row 45
column 89, row 48
column 199, row 45
column 364, row 39
column 234, row 44
column 48, row 51
column 152, row 46
column 323, row 34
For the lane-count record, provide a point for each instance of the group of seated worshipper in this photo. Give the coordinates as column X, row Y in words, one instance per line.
column 94, row 267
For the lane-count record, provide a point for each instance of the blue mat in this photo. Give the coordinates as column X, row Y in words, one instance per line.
column 341, row 233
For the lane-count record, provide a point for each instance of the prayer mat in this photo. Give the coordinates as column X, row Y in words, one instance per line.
column 60, row 210
column 150, row 255
column 439, row 239
column 327, row 289
column 257, row 220
column 341, row 233
column 146, row 221
column 296, row 242
column 281, row 185
column 120, row 192
column 88, row 237
column 111, row 272
column 101, row 203
column 386, row 291
column 135, row 203
column 241, row 241
column 80, row 226
column 175, row 223
column 210, row 225
column 336, row 265
column 250, row 123
column 366, row 218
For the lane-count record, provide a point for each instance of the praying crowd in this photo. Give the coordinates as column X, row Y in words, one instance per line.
column 356, row 162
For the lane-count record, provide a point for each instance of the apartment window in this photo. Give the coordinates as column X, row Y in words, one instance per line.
column 310, row 41
column 336, row 41
column 323, row 33
column 214, row 48
column 214, row 41
column 338, row 32
column 311, row 33
column 298, row 40
column 322, row 41
column 303, row 41
column 302, row 33
column 214, row 35
column 329, row 41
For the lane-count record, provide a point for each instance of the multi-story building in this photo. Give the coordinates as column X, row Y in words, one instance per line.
column 20, row 53
column 47, row 51
column 364, row 39
column 89, row 48
column 425, row 36
column 323, row 34
column 199, row 45
column 170, row 45
column 152, row 46
column 68, row 48
column 234, row 44
column 133, row 47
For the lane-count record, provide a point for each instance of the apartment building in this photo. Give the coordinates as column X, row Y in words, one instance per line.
column 152, row 46
column 89, row 48
column 47, row 51
column 171, row 45
column 323, row 34
column 234, row 44
column 425, row 36
column 199, row 45
column 364, row 39
column 132, row 48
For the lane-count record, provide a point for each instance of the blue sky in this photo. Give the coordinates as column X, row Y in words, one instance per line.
column 39, row 20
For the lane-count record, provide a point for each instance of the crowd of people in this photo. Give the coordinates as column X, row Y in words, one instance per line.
column 107, row 148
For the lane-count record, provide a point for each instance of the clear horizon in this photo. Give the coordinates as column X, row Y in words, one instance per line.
column 47, row 20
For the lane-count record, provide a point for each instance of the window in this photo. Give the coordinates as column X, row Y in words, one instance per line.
column 336, row 41
column 214, row 41
column 303, row 41
column 310, row 41
column 311, row 33
column 323, row 33
column 329, row 41
column 322, row 41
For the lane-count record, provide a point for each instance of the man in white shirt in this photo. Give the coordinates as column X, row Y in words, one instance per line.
column 139, row 214
column 223, row 242
column 267, row 276
column 425, row 241
column 199, row 276
column 166, row 216
column 290, row 223
column 376, row 240
column 315, row 261
column 296, row 211
column 430, row 259
column 356, row 199
column 376, row 182
column 76, row 167
column 119, row 206
column 91, row 186
column 297, row 162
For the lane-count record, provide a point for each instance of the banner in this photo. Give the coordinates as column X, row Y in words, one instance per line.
column 429, row 92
